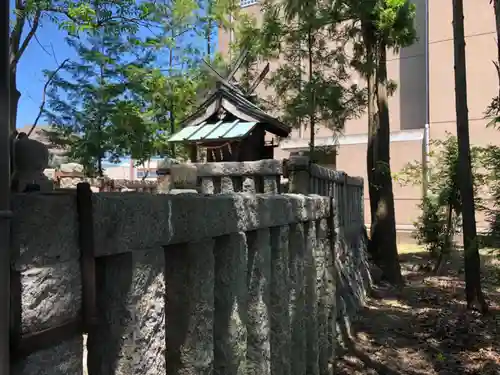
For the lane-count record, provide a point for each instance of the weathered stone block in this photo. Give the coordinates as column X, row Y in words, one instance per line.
column 44, row 229
column 51, row 296
column 320, row 257
column 65, row 358
column 227, row 184
column 270, row 184
column 297, row 299
column 248, row 168
column 248, row 185
column 190, row 217
column 280, row 302
column 207, row 185
column 130, row 334
column 310, row 276
column 184, row 176
column 189, row 278
column 231, row 305
column 259, row 287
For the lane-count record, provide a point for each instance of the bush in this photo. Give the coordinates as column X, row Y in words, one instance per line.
column 430, row 228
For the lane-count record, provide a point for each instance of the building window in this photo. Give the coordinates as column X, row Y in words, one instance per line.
column 141, row 174
column 246, row 3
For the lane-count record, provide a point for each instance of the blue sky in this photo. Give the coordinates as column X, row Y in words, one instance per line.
column 38, row 57
column 30, row 77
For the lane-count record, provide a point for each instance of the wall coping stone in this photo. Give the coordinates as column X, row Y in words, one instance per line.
column 142, row 221
column 267, row 167
column 302, row 163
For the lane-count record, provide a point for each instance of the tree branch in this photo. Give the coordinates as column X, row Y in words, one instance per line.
column 17, row 31
column 44, row 94
column 27, row 40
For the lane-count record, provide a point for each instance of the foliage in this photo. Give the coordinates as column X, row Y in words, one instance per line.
column 312, row 84
column 431, row 227
column 117, row 99
column 443, row 191
column 74, row 17
column 89, row 108
column 491, row 163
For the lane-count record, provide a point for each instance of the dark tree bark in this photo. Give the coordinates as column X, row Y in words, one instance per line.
column 496, row 8
column 474, row 294
column 384, row 230
column 15, row 95
column 369, row 40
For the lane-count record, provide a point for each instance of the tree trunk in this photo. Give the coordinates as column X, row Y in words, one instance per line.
column 473, row 290
column 14, row 99
column 446, row 250
column 496, row 7
column 312, row 105
column 369, row 42
column 171, row 100
column 384, row 232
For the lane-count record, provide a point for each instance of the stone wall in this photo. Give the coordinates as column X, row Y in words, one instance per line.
column 187, row 284
column 261, row 176
column 351, row 255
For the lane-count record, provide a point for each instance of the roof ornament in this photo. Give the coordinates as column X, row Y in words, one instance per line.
column 231, row 83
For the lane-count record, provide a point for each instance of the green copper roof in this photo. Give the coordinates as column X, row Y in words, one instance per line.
column 214, row 132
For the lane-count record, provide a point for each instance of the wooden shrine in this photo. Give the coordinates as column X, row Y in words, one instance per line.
column 229, row 125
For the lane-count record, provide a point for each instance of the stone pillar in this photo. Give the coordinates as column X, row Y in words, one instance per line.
column 280, row 303
column 130, row 333
column 230, row 300
column 184, row 176
column 189, row 306
column 259, row 304
column 271, row 184
column 207, row 185
column 296, row 248
column 322, row 287
column 299, row 176
column 311, row 301
column 227, row 184
column 248, row 185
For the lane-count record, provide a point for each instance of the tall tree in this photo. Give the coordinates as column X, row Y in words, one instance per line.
column 380, row 25
column 179, row 21
column 89, row 108
column 493, row 110
column 312, row 83
column 474, row 294
column 72, row 16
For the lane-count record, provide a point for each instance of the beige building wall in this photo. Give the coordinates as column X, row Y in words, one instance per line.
column 482, row 80
column 409, row 111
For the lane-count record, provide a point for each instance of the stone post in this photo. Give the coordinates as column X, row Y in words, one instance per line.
column 230, row 305
column 259, row 303
column 163, row 173
column 299, row 175
column 280, row 302
column 184, row 178
column 130, row 333
column 189, row 308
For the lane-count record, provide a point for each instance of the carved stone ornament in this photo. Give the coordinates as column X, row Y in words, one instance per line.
column 30, row 160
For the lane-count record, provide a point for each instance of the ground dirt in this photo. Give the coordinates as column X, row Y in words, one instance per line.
column 424, row 328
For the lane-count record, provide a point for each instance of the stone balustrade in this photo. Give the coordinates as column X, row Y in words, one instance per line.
column 187, row 284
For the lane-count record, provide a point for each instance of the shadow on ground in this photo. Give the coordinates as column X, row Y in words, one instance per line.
column 425, row 328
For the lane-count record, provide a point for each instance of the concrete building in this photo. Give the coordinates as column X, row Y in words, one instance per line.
column 425, row 95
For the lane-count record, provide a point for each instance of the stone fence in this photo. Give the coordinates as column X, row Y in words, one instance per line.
column 178, row 284
column 263, row 176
